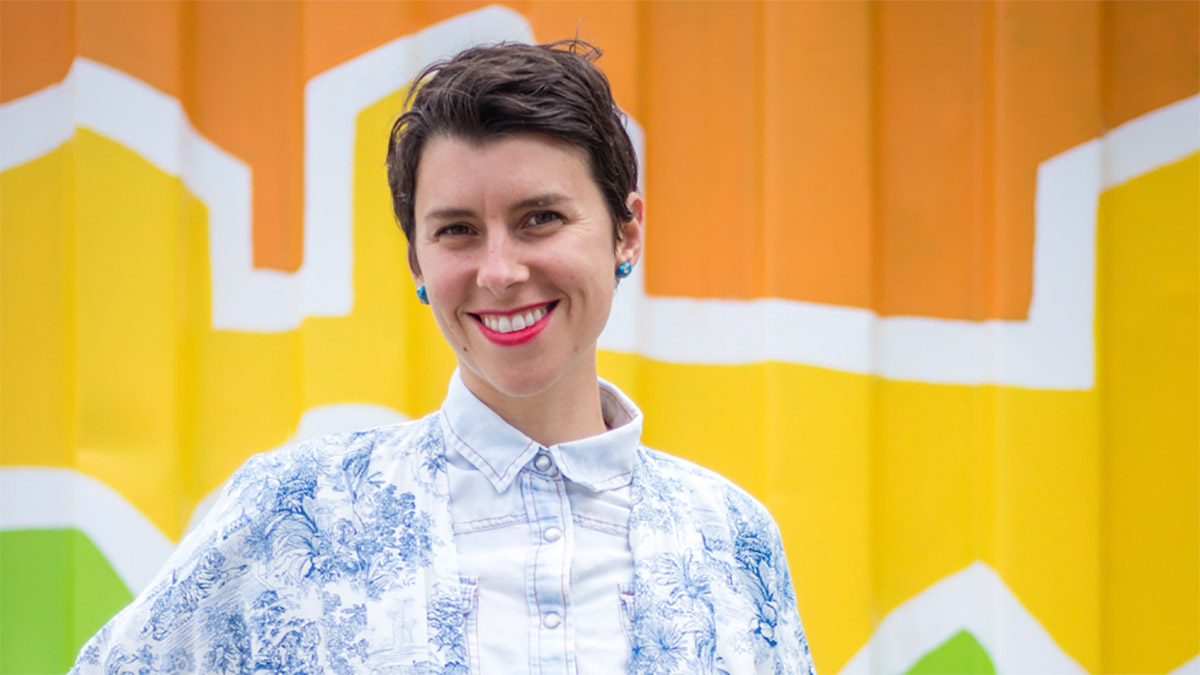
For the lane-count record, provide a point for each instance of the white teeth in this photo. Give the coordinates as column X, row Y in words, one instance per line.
column 515, row 322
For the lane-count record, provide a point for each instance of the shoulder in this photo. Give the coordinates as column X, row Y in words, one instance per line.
column 333, row 463
column 293, row 530
column 344, row 451
column 668, row 477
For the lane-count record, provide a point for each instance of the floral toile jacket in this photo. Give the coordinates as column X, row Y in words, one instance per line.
column 337, row 556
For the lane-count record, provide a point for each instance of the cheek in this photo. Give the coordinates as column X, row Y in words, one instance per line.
column 445, row 277
column 597, row 294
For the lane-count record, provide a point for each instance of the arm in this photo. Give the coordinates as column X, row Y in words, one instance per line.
column 188, row 617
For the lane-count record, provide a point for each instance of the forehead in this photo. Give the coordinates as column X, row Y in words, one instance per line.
column 456, row 172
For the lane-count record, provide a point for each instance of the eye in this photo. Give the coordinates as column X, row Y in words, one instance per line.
column 543, row 218
column 452, row 230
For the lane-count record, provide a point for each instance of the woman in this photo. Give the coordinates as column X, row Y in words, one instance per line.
column 522, row 527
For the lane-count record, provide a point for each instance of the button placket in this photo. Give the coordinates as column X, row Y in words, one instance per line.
column 549, row 566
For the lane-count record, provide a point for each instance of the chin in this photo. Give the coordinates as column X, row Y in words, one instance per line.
column 513, row 383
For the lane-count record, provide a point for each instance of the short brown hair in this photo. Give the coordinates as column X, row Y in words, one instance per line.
column 489, row 91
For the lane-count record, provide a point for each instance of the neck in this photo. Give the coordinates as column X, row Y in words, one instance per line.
column 568, row 410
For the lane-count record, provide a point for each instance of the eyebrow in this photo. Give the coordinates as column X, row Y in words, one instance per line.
column 537, row 201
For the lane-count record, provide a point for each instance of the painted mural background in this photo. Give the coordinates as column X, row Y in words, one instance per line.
column 937, row 261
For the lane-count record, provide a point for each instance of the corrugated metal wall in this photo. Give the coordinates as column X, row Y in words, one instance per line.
column 921, row 276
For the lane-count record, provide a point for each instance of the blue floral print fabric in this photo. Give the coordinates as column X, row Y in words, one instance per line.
column 338, row 556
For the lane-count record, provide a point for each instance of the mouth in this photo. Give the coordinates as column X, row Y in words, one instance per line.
column 515, row 327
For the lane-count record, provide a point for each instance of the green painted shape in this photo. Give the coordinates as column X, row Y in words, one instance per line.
column 56, row 591
column 960, row 655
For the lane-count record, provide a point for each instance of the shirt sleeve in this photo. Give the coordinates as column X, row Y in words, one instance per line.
column 192, row 616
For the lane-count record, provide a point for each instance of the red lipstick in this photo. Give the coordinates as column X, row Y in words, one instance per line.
column 520, row 336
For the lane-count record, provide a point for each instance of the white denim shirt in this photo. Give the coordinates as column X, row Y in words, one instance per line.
column 543, row 538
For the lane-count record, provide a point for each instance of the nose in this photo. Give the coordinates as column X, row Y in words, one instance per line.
column 502, row 265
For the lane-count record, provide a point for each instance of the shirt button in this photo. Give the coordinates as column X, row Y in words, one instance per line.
column 552, row 534
column 542, row 463
column 551, row 620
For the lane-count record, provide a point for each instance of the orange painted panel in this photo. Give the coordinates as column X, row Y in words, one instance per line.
column 817, row 194
column 701, row 99
column 1150, row 56
column 932, row 151
column 35, row 46
column 972, row 97
column 140, row 38
column 336, row 32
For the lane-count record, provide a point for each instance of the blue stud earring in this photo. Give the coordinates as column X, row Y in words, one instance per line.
column 624, row 270
column 422, row 295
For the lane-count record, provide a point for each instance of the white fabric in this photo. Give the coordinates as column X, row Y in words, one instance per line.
column 338, row 556
column 543, row 536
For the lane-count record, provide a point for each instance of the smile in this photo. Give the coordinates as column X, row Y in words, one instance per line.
column 515, row 327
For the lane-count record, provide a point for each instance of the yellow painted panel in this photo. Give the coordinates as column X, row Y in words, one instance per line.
column 929, row 477
column 1047, row 517
column 37, row 208
column 127, row 315
column 957, row 473
column 1150, row 387
column 817, row 449
column 998, row 474
column 247, row 401
column 712, row 415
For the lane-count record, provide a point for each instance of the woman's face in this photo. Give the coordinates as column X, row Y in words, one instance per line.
column 515, row 247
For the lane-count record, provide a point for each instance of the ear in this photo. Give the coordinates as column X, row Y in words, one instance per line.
column 414, row 267
column 629, row 249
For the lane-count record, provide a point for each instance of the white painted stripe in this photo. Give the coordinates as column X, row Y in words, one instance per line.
column 1052, row 349
column 974, row 599
column 42, row 498
column 1160, row 137
column 36, row 124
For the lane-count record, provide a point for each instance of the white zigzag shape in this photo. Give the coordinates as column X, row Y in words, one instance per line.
column 1052, row 349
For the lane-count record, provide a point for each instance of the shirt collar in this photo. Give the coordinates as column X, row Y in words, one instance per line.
column 499, row 451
